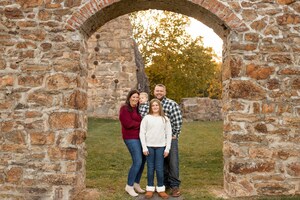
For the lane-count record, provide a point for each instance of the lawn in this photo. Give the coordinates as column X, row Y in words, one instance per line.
column 200, row 152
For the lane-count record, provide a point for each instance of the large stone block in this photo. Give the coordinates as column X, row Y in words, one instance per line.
column 76, row 100
column 287, row 19
column 72, row 3
column 251, row 166
column 30, row 3
column 41, row 138
column 15, row 137
column 13, row 13
column 30, row 81
column 246, row 90
column 40, row 98
column 6, row 80
column 59, row 179
column 14, row 174
column 258, row 72
column 60, row 82
column 243, row 138
column 273, row 188
column 258, row 152
column 63, row 120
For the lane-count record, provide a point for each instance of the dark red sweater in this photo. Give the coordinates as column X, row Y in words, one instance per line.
column 130, row 122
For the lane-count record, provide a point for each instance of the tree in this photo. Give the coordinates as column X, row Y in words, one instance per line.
column 215, row 84
column 171, row 56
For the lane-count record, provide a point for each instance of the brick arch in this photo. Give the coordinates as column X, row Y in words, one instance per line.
column 92, row 15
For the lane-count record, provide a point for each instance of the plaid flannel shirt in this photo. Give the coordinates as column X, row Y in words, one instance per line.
column 144, row 109
column 173, row 112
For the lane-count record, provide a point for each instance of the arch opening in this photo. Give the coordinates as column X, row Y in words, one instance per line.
column 88, row 28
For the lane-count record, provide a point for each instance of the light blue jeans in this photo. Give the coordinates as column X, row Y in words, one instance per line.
column 155, row 163
column 171, row 166
column 138, row 161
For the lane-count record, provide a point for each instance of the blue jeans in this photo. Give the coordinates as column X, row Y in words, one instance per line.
column 171, row 169
column 138, row 161
column 155, row 163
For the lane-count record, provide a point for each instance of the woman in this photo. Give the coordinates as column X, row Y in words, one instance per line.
column 130, row 121
column 156, row 136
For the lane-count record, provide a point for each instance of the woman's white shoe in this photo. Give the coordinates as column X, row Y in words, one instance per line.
column 130, row 191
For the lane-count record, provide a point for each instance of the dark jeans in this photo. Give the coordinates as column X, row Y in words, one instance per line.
column 171, row 166
column 155, row 163
column 138, row 161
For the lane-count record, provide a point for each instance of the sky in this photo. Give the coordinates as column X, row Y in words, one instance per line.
column 210, row 38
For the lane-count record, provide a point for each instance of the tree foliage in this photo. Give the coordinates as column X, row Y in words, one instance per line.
column 215, row 84
column 171, row 56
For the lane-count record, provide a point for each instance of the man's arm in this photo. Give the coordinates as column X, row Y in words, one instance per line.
column 176, row 119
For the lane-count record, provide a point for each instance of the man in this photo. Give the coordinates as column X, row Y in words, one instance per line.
column 171, row 164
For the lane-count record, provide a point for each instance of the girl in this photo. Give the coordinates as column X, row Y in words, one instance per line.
column 155, row 136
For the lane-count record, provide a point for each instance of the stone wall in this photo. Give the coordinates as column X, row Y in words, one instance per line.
column 111, row 68
column 261, row 100
column 43, row 91
column 201, row 109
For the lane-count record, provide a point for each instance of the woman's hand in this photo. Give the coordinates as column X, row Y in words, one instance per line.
column 166, row 154
column 146, row 153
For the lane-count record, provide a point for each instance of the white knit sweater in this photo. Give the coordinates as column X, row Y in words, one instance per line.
column 155, row 131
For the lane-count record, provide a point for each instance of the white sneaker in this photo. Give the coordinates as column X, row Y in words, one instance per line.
column 138, row 188
column 130, row 191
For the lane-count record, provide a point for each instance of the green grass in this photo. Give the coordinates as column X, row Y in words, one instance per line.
column 201, row 159
column 200, row 152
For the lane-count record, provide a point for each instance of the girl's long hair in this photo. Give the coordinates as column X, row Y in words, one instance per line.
column 160, row 111
column 127, row 102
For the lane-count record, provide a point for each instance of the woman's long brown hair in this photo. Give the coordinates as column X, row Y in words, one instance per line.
column 127, row 102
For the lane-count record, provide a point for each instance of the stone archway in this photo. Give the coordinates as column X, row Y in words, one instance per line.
column 214, row 14
column 43, row 91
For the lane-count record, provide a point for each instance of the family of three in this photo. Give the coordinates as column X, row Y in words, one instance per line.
column 150, row 132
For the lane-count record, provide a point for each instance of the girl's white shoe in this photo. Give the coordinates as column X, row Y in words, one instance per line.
column 138, row 188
